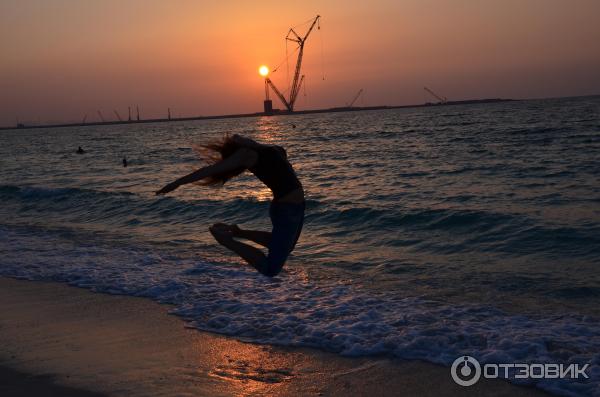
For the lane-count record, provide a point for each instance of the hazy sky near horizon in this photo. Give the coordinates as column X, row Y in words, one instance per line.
column 62, row 59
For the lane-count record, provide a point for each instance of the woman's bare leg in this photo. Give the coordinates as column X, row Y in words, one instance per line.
column 259, row 237
column 247, row 252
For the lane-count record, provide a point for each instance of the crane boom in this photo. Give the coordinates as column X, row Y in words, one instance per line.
column 439, row 98
column 298, row 79
column 355, row 98
column 295, row 85
column 279, row 94
column 300, row 40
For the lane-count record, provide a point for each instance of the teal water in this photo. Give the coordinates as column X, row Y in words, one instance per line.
column 430, row 232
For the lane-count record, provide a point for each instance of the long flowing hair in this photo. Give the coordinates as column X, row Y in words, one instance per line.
column 214, row 151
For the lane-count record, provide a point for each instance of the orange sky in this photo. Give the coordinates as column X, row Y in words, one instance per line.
column 62, row 59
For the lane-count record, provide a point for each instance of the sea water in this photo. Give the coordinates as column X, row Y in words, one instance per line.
column 430, row 232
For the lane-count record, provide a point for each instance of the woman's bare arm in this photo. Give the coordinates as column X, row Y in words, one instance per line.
column 244, row 157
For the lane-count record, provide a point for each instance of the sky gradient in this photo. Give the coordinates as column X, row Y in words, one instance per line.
column 63, row 59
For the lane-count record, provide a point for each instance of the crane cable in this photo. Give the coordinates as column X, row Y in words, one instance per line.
column 285, row 60
column 305, row 97
column 304, row 85
column 287, row 65
column 303, row 23
column 322, row 52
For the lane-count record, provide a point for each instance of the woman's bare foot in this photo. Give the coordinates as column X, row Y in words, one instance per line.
column 221, row 232
column 233, row 228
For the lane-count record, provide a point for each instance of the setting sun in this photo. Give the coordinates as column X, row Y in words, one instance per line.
column 263, row 71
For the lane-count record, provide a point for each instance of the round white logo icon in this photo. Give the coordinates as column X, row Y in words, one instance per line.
column 465, row 371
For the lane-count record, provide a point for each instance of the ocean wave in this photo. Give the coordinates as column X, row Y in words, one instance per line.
column 119, row 205
column 291, row 310
column 448, row 230
column 453, row 231
column 35, row 192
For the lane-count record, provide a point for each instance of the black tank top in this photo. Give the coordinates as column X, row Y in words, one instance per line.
column 275, row 171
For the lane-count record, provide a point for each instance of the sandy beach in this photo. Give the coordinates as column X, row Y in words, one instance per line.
column 62, row 340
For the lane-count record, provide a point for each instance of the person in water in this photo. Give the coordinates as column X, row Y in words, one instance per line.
column 231, row 157
column 80, row 150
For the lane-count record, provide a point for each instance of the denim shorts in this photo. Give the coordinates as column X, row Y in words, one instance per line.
column 287, row 220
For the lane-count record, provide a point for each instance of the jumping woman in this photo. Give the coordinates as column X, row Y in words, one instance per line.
column 231, row 157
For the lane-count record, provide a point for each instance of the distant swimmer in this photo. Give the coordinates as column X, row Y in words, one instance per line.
column 293, row 125
column 80, row 151
column 124, row 161
column 229, row 158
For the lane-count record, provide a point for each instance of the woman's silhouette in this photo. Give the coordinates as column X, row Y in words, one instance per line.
column 234, row 155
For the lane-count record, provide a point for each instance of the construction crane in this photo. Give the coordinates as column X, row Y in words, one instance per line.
column 297, row 80
column 355, row 98
column 442, row 99
column 118, row 115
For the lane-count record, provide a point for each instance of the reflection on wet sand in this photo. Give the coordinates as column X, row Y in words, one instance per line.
column 125, row 346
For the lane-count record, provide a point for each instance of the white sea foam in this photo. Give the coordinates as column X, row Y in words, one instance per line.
column 293, row 310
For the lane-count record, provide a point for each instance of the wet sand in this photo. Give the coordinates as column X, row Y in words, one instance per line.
column 57, row 340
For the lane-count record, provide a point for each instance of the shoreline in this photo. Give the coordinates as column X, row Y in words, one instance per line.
column 91, row 344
